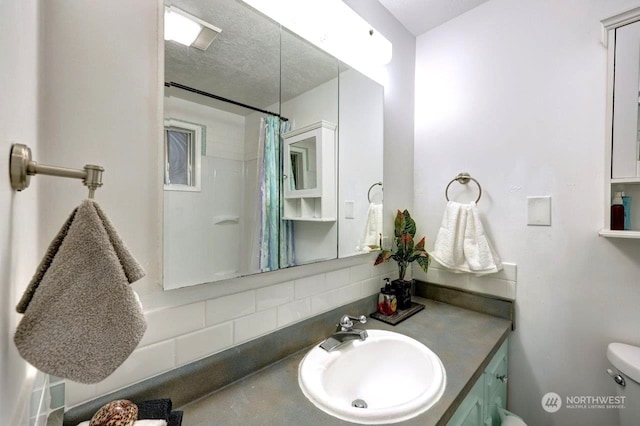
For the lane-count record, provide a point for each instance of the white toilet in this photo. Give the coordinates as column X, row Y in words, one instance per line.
column 626, row 359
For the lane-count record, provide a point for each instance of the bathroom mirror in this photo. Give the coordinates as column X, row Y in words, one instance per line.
column 255, row 82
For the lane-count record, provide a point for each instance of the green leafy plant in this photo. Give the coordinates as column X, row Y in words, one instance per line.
column 406, row 251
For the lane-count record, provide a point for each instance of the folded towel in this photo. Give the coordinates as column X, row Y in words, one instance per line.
column 81, row 318
column 372, row 233
column 155, row 409
column 137, row 423
column 462, row 245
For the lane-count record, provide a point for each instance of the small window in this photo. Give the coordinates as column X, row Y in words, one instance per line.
column 182, row 143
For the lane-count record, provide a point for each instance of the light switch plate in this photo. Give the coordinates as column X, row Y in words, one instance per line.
column 348, row 209
column 539, row 211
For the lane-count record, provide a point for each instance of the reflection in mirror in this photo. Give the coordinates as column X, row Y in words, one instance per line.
column 252, row 89
column 212, row 234
column 361, row 163
column 302, row 157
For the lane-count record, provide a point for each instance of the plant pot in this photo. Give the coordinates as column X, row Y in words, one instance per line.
column 402, row 290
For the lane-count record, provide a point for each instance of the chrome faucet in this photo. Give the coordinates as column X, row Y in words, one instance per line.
column 345, row 333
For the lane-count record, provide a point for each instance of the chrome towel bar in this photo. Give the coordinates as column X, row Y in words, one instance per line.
column 22, row 167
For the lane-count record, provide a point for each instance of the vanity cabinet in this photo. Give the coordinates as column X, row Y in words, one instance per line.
column 309, row 180
column 621, row 35
column 480, row 407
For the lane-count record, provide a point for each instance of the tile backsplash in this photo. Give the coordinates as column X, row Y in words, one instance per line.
column 182, row 334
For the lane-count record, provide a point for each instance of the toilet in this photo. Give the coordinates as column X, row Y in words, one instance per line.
column 626, row 359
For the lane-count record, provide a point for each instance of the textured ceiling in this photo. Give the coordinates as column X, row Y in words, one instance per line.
column 419, row 16
column 243, row 62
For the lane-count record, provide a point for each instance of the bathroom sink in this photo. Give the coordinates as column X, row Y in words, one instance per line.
column 388, row 377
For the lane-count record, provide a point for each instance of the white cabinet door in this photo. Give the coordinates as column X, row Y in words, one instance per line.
column 624, row 158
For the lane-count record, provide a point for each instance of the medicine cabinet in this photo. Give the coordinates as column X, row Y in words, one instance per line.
column 621, row 35
column 309, row 178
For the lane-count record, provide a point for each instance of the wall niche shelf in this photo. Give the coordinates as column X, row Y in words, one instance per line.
column 621, row 36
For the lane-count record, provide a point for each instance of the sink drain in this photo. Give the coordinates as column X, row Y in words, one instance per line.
column 359, row 403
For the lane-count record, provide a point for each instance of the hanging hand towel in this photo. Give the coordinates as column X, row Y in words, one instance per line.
column 462, row 245
column 81, row 318
column 372, row 233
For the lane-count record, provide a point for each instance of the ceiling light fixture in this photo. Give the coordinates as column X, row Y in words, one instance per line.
column 333, row 26
column 187, row 29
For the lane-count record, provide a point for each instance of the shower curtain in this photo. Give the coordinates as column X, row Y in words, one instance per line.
column 275, row 239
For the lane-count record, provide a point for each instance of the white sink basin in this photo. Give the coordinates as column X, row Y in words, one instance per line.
column 396, row 376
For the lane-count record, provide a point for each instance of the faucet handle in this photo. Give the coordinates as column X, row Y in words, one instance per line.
column 346, row 322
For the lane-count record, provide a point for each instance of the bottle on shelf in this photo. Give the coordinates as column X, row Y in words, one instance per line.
column 617, row 213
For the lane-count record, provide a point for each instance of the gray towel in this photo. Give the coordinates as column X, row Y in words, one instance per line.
column 81, row 318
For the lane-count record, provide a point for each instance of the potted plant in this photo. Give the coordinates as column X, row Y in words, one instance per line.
column 405, row 253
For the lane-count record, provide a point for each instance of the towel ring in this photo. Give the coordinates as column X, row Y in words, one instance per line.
column 370, row 188
column 463, row 178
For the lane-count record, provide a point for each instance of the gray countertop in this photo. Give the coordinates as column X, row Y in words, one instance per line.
column 464, row 340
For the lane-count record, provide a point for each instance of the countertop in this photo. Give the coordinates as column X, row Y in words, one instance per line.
column 463, row 339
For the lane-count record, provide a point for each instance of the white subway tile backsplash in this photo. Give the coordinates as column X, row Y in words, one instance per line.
column 254, row 325
column 339, row 278
column 143, row 363
column 77, row 393
column 293, row 312
column 275, row 295
column 309, row 286
column 182, row 334
column 230, row 307
column 350, row 293
column 325, row 301
column 501, row 284
column 167, row 323
column 193, row 346
column 371, row 286
column 361, row 272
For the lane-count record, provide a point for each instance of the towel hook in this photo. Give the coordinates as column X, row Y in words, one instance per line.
column 463, row 178
column 370, row 188
column 22, row 167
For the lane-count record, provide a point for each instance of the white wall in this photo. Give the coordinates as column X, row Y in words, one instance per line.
column 101, row 105
column 514, row 93
column 19, row 44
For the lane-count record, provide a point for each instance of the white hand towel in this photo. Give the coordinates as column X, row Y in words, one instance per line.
column 81, row 318
column 372, row 232
column 462, row 245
